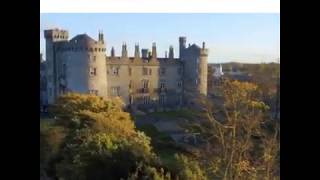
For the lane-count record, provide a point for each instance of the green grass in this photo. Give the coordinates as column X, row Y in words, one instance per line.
column 155, row 135
column 189, row 114
column 164, row 145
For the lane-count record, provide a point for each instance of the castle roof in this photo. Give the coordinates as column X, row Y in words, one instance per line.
column 83, row 38
column 194, row 46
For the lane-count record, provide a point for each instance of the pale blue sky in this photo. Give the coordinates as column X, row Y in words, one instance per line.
column 229, row 37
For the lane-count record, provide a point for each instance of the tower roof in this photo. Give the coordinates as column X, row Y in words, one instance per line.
column 194, row 46
column 83, row 38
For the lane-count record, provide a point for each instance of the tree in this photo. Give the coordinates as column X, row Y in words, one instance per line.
column 236, row 156
column 188, row 169
column 100, row 140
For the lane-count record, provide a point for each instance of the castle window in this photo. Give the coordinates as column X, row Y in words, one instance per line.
column 95, row 49
column 145, row 84
column 130, row 71
column 95, row 92
column 150, row 71
column 115, row 91
column 130, row 99
column 146, row 99
column 162, row 71
column 144, row 71
column 162, row 99
column 162, row 85
column 94, row 58
column 91, row 49
column 93, row 71
column 99, row 49
column 130, row 84
column 115, row 71
column 179, row 84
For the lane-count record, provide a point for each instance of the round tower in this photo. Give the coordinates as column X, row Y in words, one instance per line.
column 203, row 70
column 86, row 65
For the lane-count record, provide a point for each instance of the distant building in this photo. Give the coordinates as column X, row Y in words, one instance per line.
column 218, row 71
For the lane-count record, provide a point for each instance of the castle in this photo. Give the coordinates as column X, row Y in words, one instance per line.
column 82, row 65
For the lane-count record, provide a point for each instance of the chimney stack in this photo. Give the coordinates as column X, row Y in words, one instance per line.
column 136, row 51
column 171, row 55
column 124, row 51
column 112, row 52
column 154, row 50
column 144, row 53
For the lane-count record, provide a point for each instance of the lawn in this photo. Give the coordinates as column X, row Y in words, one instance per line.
column 164, row 146
column 187, row 113
column 156, row 136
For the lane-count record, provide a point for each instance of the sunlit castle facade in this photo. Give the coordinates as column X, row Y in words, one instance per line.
column 82, row 65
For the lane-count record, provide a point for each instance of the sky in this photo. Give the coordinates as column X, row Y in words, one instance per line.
column 230, row 37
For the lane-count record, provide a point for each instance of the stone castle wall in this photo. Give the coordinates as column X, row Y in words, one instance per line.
column 81, row 65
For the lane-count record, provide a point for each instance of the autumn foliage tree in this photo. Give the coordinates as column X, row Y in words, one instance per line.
column 92, row 138
column 243, row 148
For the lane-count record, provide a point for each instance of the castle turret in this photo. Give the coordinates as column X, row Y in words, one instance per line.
column 182, row 45
column 154, row 51
column 171, row 55
column 195, row 69
column 86, row 65
column 52, row 36
column 124, row 51
column 203, row 70
column 136, row 51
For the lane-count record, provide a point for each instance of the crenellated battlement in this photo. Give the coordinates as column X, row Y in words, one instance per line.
column 56, row 34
